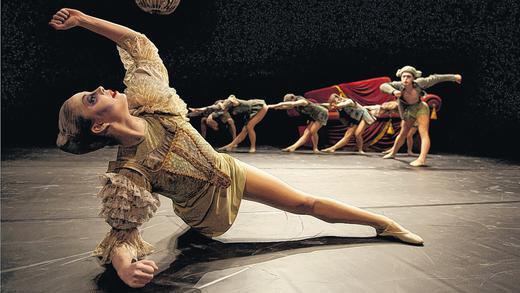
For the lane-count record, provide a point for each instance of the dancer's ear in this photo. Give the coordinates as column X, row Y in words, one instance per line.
column 97, row 128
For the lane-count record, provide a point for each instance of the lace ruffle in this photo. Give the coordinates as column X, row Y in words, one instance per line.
column 129, row 239
column 146, row 95
column 146, row 78
column 125, row 204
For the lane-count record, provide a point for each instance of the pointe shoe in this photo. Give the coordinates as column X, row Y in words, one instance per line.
column 401, row 234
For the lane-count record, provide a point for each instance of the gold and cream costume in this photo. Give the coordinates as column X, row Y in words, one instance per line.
column 206, row 187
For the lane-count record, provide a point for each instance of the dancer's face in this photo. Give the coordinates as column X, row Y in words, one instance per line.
column 101, row 105
column 407, row 78
column 334, row 100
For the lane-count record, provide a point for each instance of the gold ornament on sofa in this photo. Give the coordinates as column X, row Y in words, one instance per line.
column 158, row 6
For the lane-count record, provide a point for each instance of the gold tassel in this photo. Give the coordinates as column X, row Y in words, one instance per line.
column 433, row 116
column 390, row 129
column 341, row 92
column 380, row 135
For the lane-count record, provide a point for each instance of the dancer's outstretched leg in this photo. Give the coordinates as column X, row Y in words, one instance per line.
column 240, row 137
column 405, row 127
column 424, row 124
column 248, row 130
column 301, row 141
column 343, row 141
column 267, row 189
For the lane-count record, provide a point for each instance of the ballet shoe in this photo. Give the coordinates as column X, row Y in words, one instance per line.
column 402, row 234
column 289, row 150
column 388, row 156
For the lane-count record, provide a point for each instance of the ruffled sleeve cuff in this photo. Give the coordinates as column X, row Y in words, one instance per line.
column 126, row 205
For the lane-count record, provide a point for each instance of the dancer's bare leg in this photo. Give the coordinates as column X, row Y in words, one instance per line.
column 359, row 136
column 248, row 130
column 239, row 138
column 267, row 189
column 343, row 141
column 409, row 141
column 203, row 127
column 302, row 140
column 424, row 124
column 315, row 126
column 251, row 127
column 405, row 127
column 232, row 128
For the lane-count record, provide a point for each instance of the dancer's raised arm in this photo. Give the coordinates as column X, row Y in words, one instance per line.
column 434, row 79
column 67, row 18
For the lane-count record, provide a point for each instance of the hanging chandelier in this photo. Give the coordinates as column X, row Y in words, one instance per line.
column 158, row 6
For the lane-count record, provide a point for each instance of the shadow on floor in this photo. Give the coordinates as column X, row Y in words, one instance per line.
column 199, row 255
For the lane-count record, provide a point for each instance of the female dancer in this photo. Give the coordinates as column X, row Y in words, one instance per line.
column 392, row 107
column 210, row 118
column 316, row 113
column 159, row 151
column 355, row 116
column 408, row 91
column 251, row 111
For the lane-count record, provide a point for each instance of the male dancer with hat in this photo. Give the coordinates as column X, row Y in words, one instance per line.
column 408, row 92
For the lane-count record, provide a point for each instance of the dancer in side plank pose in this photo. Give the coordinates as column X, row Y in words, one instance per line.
column 159, row 151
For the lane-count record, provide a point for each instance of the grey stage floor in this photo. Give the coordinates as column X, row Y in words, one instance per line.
column 466, row 209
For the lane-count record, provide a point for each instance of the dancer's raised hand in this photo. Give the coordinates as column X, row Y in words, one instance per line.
column 65, row 19
column 397, row 93
column 458, row 78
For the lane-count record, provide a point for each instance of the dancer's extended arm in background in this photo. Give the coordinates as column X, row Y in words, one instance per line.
column 287, row 105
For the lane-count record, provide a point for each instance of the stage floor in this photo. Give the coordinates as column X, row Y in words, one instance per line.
column 465, row 208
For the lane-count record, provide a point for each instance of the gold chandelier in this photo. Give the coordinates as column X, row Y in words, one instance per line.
column 158, row 6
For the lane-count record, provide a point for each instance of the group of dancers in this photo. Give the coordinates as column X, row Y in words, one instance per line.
column 414, row 113
column 159, row 151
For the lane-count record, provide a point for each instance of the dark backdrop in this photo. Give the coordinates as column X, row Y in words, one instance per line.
column 263, row 49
